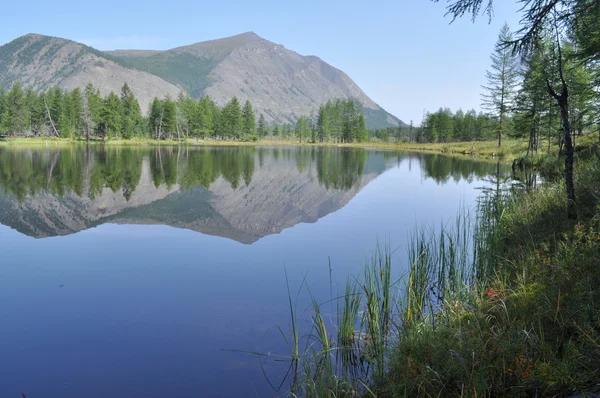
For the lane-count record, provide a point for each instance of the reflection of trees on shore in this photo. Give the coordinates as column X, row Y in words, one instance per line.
column 89, row 170
column 116, row 169
column 76, row 169
column 340, row 168
column 442, row 167
column 204, row 166
column 86, row 171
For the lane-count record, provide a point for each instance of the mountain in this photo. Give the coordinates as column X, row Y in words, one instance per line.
column 279, row 82
column 44, row 62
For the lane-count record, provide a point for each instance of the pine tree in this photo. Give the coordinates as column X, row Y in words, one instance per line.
column 91, row 110
column 502, row 80
column 156, row 118
column 169, row 120
column 249, row 120
column 302, row 129
column 262, row 126
column 130, row 113
column 362, row 133
column 110, row 116
column 323, row 132
column 231, row 120
column 16, row 114
column 71, row 122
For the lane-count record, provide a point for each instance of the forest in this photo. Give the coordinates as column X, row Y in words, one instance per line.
column 78, row 114
column 519, row 97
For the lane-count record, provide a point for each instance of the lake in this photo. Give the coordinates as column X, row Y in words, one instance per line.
column 138, row 272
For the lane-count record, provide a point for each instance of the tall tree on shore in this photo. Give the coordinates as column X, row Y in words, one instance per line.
column 111, row 116
column 156, row 118
column 230, row 125
column 302, row 129
column 262, row 126
column 248, row 119
column 169, row 120
column 323, row 124
column 16, row 116
column 563, row 19
column 91, row 110
column 131, row 113
column 502, row 80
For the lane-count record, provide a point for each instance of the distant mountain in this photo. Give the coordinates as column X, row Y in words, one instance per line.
column 44, row 62
column 280, row 83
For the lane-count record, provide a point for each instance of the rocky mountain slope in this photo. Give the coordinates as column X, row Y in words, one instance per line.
column 281, row 83
column 44, row 62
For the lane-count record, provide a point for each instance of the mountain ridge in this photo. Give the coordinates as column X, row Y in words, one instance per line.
column 280, row 83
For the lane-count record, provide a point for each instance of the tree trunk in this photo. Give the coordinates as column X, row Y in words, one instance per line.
column 563, row 104
column 569, row 153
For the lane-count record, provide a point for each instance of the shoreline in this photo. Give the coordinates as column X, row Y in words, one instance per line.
column 478, row 149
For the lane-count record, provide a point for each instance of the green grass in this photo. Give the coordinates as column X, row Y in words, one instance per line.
column 505, row 302
column 481, row 149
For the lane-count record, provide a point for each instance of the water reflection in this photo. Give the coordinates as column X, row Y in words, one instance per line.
column 242, row 193
column 151, row 307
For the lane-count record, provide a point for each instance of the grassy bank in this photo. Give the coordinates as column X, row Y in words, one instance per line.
column 509, row 306
column 483, row 149
column 511, row 149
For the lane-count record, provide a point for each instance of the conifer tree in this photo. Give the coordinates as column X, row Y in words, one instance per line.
column 130, row 112
column 169, row 119
column 249, row 120
column 502, row 80
column 323, row 132
column 111, row 118
column 16, row 114
column 262, row 126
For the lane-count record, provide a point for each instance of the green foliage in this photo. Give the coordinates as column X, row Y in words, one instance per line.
column 131, row 124
column 111, row 117
column 248, row 119
column 262, row 126
column 74, row 115
column 182, row 69
column 16, row 116
column 230, row 121
column 508, row 306
column 302, row 129
column 337, row 121
column 444, row 126
column 502, row 80
column 379, row 119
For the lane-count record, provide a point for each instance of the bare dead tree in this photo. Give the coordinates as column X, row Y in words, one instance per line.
column 49, row 116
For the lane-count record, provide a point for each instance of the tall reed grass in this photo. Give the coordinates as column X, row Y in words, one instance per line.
column 496, row 303
column 350, row 355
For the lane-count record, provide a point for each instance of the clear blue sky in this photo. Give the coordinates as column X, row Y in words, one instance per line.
column 403, row 54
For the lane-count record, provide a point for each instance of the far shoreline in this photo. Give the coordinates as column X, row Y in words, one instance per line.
column 480, row 149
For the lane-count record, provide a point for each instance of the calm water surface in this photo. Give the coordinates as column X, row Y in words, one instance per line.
column 131, row 272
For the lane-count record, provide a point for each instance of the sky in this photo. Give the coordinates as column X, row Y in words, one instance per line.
column 404, row 54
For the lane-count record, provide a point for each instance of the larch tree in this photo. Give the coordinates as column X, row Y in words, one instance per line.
column 248, row 119
column 502, row 81
column 131, row 113
column 262, row 126
column 323, row 132
column 16, row 116
column 111, row 116
column 156, row 118
column 563, row 19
